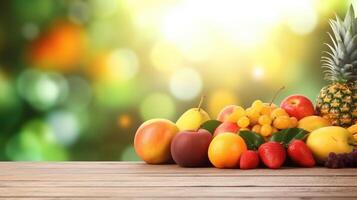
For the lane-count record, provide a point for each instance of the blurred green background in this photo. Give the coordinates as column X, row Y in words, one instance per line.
column 78, row 77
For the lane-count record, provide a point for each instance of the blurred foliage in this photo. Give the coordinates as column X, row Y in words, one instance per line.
column 78, row 77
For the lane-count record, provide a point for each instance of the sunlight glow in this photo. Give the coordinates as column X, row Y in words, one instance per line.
column 242, row 21
column 258, row 72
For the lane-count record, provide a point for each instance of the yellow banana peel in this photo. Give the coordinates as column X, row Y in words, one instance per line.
column 353, row 129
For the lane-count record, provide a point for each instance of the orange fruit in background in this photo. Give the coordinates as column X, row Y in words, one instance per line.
column 59, row 48
column 225, row 150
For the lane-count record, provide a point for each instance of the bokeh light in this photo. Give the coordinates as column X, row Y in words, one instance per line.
column 124, row 121
column 116, row 94
column 185, row 84
column 166, row 57
column 123, row 64
column 104, row 9
column 79, row 12
column 79, row 93
column 258, row 72
column 118, row 65
column 157, row 105
column 302, row 24
column 36, row 141
column 221, row 98
column 65, row 126
column 30, row 31
column 42, row 90
column 59, row 48
column 78, row 77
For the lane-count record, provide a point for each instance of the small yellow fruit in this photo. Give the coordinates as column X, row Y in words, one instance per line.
column 254, row 119
column 264, row 120
column 192, row 119
column 266, row 130
column 253, row 116
column 256, row 128
column 243, row 122
column 244, row 129
column 250, row 111
column 237, row 113
column 257, row 105
column 266, row 110
column 282, row 122
column 278, row 113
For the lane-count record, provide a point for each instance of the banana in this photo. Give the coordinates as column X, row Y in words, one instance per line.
column 353, row 129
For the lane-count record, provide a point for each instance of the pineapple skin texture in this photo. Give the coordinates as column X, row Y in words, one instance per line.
column 337, row 103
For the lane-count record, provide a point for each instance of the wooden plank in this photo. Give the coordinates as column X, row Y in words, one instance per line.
column 102, row 180
column 173, row 192
column 47, row 175
column 123, row 181
column 181, row 198
column 141, row 168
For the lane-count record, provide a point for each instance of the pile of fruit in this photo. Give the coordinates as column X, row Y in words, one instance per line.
column 295, row 133
column 244, row 138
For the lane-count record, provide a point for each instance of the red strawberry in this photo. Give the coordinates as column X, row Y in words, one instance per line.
column 249, row 160
column 272, row 154
column 300, row 153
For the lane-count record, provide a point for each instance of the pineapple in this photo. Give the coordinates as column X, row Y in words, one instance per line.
column 337, row 101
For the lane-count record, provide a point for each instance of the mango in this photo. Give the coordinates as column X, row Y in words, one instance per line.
column 153, row 139
column 312, row 123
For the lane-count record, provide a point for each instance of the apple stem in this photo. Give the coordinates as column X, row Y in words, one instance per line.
column 276, row 94
column 200, row 104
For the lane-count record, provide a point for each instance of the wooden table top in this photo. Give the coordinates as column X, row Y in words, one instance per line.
column 102, row 180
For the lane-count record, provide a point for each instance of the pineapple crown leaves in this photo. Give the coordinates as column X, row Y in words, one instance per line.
column 340, row 64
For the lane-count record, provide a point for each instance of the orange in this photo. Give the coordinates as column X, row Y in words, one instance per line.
column 225, row 150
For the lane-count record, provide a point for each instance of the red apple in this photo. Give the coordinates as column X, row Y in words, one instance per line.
column 226, row 111
column 189, row 148
column 298, row 106
column 226, row 127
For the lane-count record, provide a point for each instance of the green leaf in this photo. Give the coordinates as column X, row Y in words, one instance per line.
column 210, row 125
column 287, row 135
column 252, row 139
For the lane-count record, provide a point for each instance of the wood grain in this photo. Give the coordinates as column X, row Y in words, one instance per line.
column 106, row 180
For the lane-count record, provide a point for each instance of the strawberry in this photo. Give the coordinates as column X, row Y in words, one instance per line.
column 300, row 154
column 272, row 154
column 249, row 160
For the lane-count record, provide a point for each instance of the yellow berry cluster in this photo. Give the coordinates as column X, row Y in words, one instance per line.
column 262, row 118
